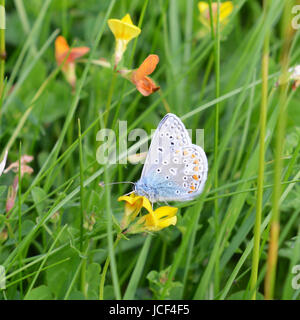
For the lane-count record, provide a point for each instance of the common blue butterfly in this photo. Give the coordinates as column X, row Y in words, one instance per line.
column 175, row 169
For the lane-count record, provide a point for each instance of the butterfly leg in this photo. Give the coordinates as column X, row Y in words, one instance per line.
column 127, row 194
column 164, row 202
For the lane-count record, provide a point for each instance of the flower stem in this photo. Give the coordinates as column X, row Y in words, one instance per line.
column 83, row 266
column 103, row 275
column 81, row 186
column 2, row 49
column 216, row 38
column 261, row 168
column 109, row 98
column 279, row 142
column 20, row 214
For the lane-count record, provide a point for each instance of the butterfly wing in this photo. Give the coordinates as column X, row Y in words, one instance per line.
column 175, row 168
column 169, row 136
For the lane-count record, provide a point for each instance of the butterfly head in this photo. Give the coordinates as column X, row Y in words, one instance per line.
column 141, row 188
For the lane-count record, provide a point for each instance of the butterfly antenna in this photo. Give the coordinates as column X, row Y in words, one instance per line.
column 102, row 184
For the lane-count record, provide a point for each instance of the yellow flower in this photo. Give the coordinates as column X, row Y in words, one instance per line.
column 156, row 220
column 226, row 9
column 161, row 218
column 133, row 206
column 124, row 30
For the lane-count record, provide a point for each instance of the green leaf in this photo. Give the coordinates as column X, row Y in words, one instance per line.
column 242, row 295
column 76, row 295
column 93, row 280
column 40, row 293
column 157, row 282
column 60, row 276
column 38, row 194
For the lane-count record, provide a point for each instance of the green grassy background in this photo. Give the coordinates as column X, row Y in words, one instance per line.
column 208, row 254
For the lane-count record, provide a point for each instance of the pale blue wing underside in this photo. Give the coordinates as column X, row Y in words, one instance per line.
column 175, row 169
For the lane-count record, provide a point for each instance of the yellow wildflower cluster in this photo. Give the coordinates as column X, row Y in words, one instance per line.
column 124, row 31
column 154, row 220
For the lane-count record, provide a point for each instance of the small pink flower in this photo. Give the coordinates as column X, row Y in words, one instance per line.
column 13, row 189
column 24, row 167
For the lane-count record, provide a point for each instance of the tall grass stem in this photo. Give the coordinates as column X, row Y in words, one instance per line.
column 261, row 164
column 287, row 34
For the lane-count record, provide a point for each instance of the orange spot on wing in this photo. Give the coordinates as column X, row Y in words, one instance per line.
column 196, row 162
column 196, row 168
column 195, row 177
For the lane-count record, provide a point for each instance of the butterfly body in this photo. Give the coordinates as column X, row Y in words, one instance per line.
column 156, row 188
column 175, row 169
